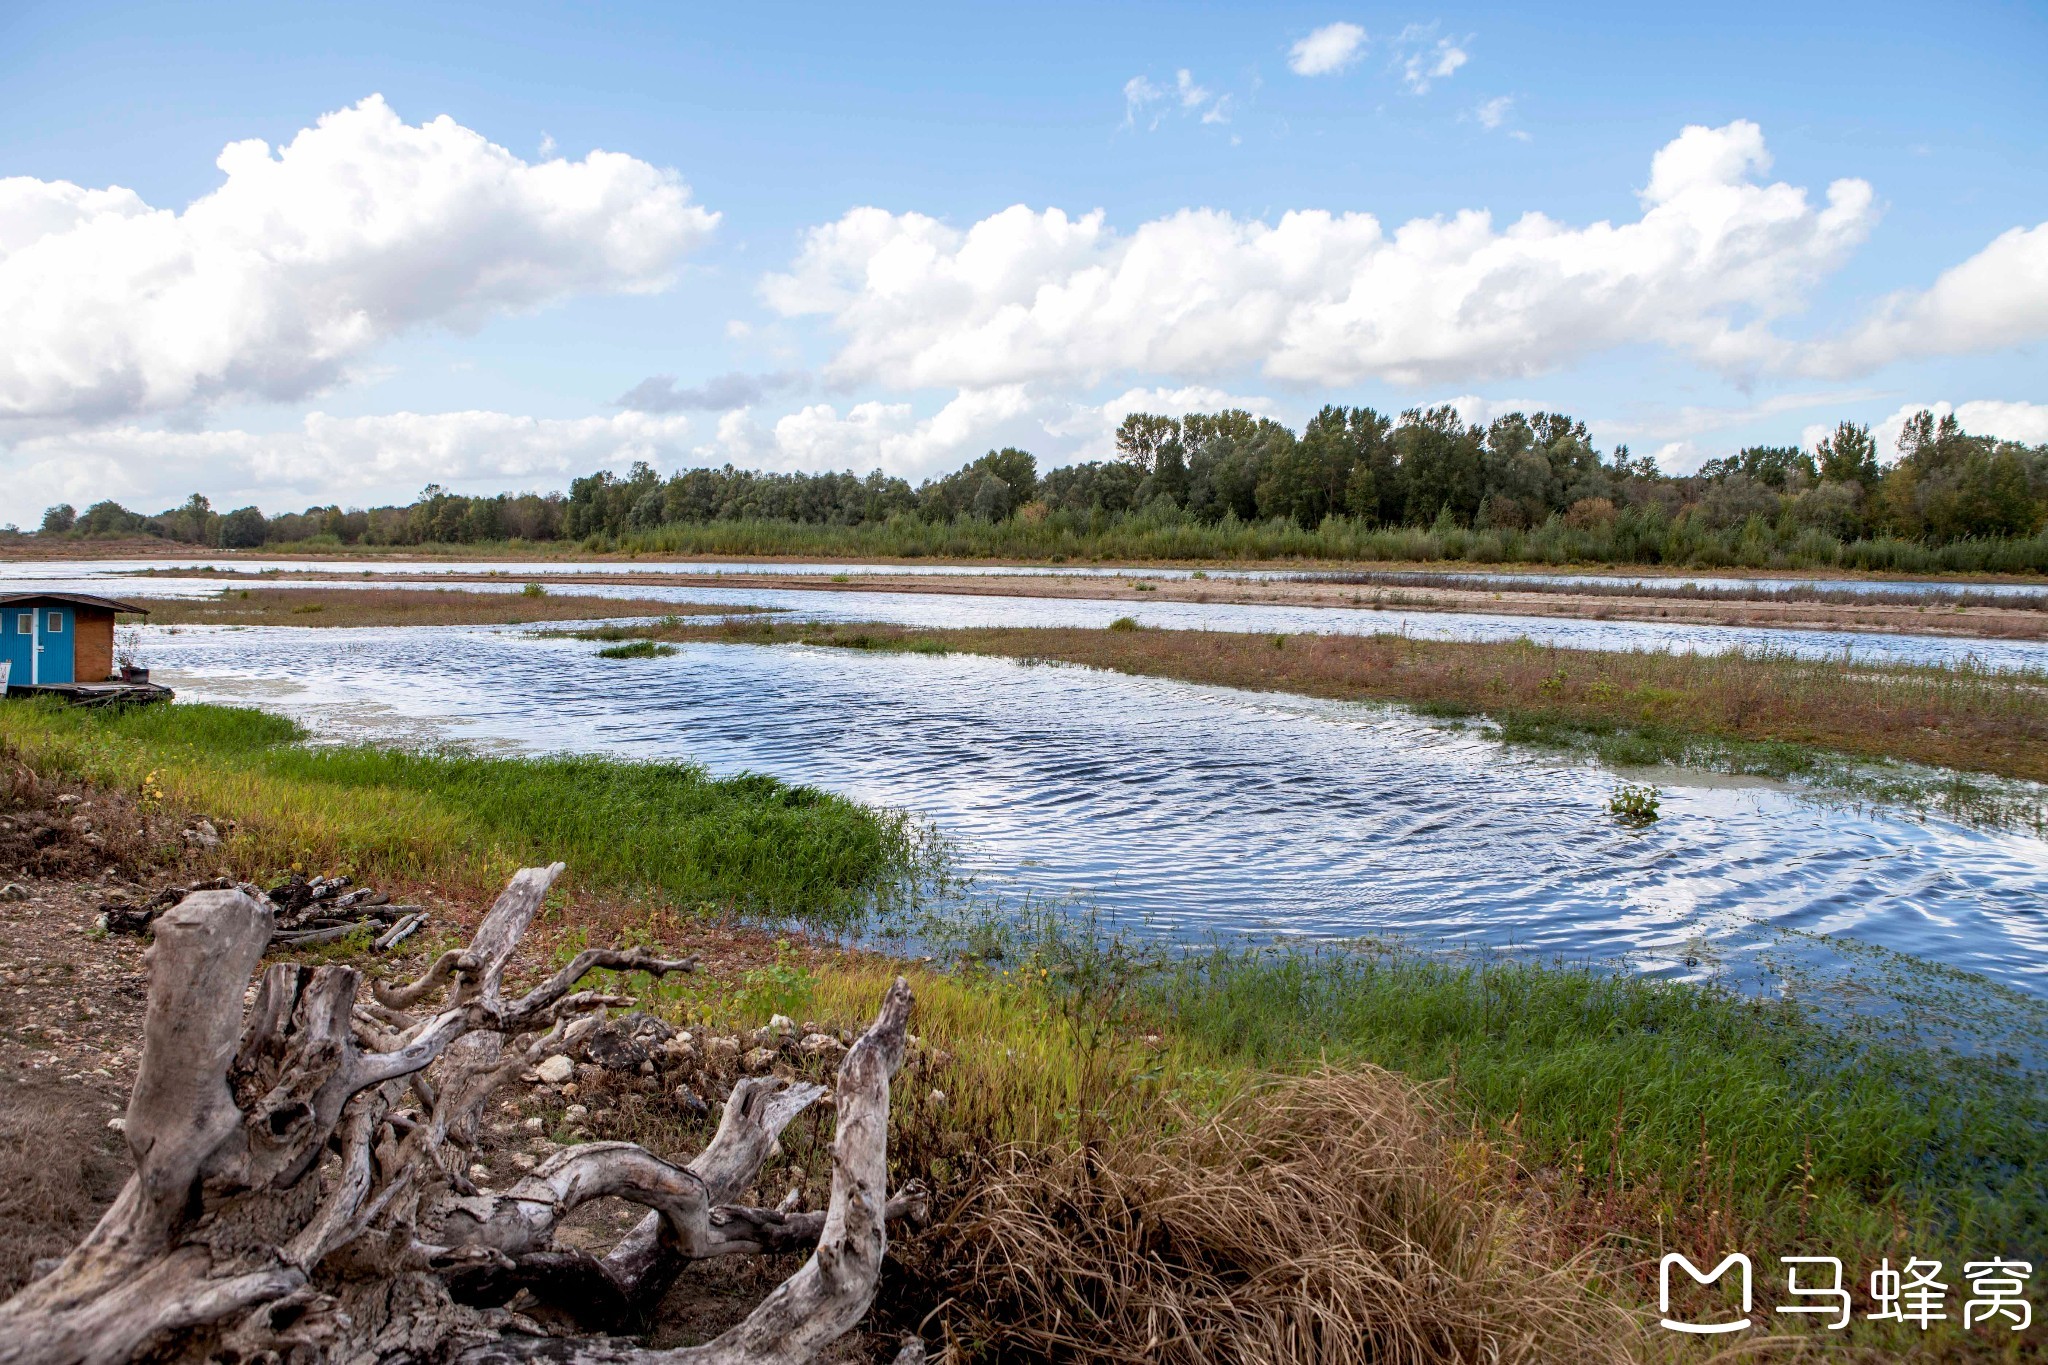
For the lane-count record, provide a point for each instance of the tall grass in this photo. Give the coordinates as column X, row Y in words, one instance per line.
column 1122, row 1139
column 1718, row 1113
column 665, row 831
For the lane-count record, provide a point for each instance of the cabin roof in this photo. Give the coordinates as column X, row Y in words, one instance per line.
column 76, row 599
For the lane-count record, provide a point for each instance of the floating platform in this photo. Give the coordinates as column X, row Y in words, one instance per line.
column 95, row 694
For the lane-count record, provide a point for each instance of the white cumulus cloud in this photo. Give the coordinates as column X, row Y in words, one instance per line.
column 1996, row 298
column 305, row 258
column 2010, row 421
column 1325, row 298
column 1328, row 50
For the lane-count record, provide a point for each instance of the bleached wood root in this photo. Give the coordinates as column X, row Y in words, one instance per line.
column 288, row 1200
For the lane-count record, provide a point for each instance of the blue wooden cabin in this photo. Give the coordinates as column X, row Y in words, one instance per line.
column 59, row 639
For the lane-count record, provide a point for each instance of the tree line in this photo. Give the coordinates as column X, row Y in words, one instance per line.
column 1519, row 477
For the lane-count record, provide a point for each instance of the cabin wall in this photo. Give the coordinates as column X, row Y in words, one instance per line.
column 94, row 645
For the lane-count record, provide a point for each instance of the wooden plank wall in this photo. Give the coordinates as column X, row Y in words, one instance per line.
column 94, row 660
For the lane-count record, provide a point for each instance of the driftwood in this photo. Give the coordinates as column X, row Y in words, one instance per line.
column 300, row 1189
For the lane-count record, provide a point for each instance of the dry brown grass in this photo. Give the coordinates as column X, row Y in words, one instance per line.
column 59, row 1166
column 1320, row 1218
column 398, row 607
column 1959, row 719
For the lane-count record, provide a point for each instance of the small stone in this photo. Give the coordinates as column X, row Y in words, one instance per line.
column 821, row 1045
column 534, row 1124
column 119, row 1125
column 556, row 1069
column 782, row 1023
column 13, row 891
column 67, row 799
column 647, row 1068
column 525, row 1161
column 479, row 1171
column 723, row 1049
column 938, row 1099
column 576, row 1113
column 760, row 1059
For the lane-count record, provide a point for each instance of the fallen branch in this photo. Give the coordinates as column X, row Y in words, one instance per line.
column 301, row 1185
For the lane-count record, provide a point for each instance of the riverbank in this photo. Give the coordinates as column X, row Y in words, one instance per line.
column 343, row 607
column 1501, row 1150
column 1957, row 615
column 1766, row 714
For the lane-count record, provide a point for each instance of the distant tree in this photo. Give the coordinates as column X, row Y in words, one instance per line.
column 242, row 529
column 60, row 519
column 1848, row 456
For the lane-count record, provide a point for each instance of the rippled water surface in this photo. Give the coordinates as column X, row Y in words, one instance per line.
column 939, row 610
column 1195, row 810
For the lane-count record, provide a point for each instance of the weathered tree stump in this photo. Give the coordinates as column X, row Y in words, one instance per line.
column 300, row 1189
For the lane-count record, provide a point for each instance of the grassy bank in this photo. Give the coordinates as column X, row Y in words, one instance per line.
column 1421, row 1154
column 1326, row 1156
column 1765, row 714
column 404, row 607
column 663, row 831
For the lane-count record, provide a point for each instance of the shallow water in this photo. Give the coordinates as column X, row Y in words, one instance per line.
column 1191, row 810
column 41, row 572
column 939, row 610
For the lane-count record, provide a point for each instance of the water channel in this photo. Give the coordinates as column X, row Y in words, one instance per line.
column 1192, row 811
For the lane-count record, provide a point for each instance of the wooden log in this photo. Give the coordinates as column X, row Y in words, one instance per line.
column 285, row 1205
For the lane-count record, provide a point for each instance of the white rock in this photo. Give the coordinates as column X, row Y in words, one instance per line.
column 556, row 1069
column 821, row 1045
column 13, row 891
column 525, row 1161
column 576, row 1113
column 782, row 1023
column 760, row 1059
column 534, row 1125
column 119, row 1125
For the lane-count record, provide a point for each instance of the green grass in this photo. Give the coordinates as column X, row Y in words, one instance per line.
column 1809, row 1131
column 665, row 831
column 638, row 649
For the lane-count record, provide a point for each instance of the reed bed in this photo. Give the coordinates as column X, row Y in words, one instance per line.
column 1634, row 708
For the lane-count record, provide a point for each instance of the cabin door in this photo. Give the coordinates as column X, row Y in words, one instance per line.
column 55, row 646
column 18, row 643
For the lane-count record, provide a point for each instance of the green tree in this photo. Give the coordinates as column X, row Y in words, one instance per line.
column 1848, row 456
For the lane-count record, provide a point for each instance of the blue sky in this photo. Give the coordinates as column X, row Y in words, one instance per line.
column 459, row 311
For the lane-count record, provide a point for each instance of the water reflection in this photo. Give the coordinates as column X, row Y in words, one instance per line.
column 1196, row 809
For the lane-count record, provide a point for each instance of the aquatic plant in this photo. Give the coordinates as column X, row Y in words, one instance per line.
column 534, row 590
column 1124, row 623
column 1633, row 805
column 638, row 649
